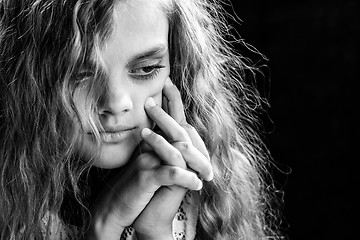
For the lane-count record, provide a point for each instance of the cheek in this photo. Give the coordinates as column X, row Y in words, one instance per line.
column 157, row 95
column 156, row 86
column 158, row 98
column 154, row 90
column 157, row 91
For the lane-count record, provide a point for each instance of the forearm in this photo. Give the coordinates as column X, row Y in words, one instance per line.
column 104, row 230
column 156, row 231
column 140, row 236
column 94, row 235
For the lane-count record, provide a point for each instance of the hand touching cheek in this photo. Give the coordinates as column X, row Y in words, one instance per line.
column 180, row 145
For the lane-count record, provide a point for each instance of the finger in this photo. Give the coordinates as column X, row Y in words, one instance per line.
column 164, row 104
column 172, row 175
column 175, row 105
column 175, row 108
column 179, row 154
column 165, row 122
column 196, row 140
column 166, row 152
column 195, row 160
column 200, row 146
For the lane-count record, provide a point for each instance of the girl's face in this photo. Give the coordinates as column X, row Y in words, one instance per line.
column 136, row 60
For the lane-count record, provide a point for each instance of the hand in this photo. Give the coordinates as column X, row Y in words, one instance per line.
column 179, row 146
column 132, row 190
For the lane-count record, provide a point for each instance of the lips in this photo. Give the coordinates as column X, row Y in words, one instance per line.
column 116, row 135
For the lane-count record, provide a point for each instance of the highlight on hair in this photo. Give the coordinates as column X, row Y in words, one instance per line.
column 48, row 49
column 218, row 95
column 44, row 45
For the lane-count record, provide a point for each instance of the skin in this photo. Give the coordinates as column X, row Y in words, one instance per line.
column 128, row 89
column 156, row 169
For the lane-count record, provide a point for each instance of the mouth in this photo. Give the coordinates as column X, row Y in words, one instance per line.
column 114, row 136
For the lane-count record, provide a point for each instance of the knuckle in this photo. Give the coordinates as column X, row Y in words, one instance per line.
column 146, row 181
column 188, row 127
column 183, row 146
column 173, row 173
column 142, row 159
column 182, row 134
column 147, row 161
column 176, row 155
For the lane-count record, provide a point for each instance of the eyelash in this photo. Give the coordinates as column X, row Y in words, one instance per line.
column 154, row 71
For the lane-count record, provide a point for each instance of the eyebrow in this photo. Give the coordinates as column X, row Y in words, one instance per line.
column 152, row 52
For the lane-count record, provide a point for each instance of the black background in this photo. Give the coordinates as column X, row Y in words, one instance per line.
column 313, row 52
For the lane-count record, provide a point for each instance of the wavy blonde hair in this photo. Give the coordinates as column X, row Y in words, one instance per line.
column 219, row 95
column 43, row 43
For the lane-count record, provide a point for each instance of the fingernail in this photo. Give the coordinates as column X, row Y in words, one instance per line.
column 150, row 102
column 211, row 176
column 145, row 132
column 200, row 185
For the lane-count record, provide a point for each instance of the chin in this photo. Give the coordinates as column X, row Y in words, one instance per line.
column 115, row 156
column 109, row 163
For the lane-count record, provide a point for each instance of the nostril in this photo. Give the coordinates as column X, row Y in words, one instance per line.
column 116, row 104
column 105, row 113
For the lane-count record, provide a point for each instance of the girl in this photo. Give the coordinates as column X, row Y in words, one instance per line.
column 119, row 119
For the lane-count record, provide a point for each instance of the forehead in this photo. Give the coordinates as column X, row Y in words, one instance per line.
column 137, row 25
column 139, row 9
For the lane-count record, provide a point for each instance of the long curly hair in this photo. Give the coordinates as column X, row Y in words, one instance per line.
column 44, row 43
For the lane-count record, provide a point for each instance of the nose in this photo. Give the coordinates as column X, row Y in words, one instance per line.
column 116, row 101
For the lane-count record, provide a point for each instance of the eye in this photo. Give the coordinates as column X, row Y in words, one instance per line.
column 146, row 72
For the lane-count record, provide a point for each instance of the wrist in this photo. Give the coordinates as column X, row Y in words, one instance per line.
column 167, row 236
column 163, row 232
column 108, row 230
column 105, row 226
